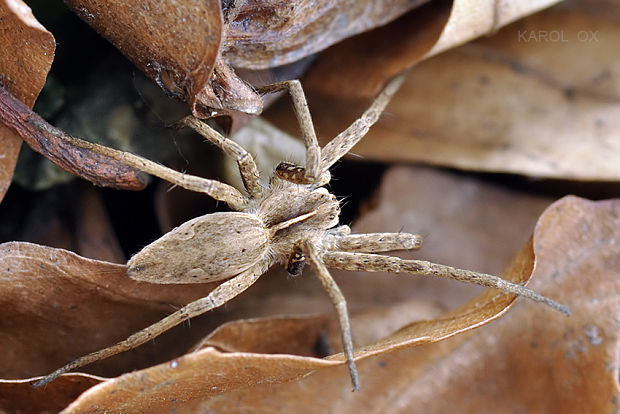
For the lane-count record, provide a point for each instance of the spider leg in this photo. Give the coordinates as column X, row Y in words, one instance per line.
column 340, row 306
column 378, row 263
column 219, row 191
column 315, row 171
column 343, row 142
column 245, row 161
column 373, row 242
column 220, row 295
column 311, row 173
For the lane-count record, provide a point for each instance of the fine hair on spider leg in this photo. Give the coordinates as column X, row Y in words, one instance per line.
column 292, row 221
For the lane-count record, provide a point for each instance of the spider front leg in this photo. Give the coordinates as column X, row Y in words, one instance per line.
column 247, row 166
column 340, row 305
column 219, row 191
column 378, row 263
column 373, row 242
column 312, row 172
column 346, row 140
column 219, row 296
column 337, row 147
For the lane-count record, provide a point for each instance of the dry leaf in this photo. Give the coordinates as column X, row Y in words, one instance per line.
column 19, row 396
column 30, row 48
column 359, row 67
column 272, row 33
column 531, row 360
column 539, row 98
column 463, row 223
column 27, row 52
column 390, row 311
column 57, row 146
column 175, row 44
column 209, row 373
column 187, row 47
column 263, row 35
column 58, row 305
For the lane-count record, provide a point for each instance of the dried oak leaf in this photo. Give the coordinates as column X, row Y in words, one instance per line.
column 384, row 310
column 189, row 47
column 358, row 67
column 209, row 372
column 273, row 33
column 463, row 223
column 53, row 301
column 26, row 55
column 531, row 360
column 175, row 44
column 78, row 157
column 301, row 336
column 512, row 102
column 19, row 396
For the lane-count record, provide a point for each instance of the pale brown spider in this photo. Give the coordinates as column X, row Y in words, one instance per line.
column 292, row 221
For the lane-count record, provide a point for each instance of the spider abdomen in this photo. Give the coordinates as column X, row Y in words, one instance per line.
column 215, row 247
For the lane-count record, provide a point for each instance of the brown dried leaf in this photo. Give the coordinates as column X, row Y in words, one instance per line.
column 27, row 52
column 19, row 396
column 531, row 360
column 274, row 294
column 262, row 35
column 463, row 223
column 359, row 67
column 175, row 44
column 514, row 102
column 10, row 144
column 175, row 384
column 60, row 148
column 53, row 302
column 275, row 33
column 480, row 207
column 302, row 336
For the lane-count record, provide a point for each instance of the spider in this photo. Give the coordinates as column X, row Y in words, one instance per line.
column 292, row 222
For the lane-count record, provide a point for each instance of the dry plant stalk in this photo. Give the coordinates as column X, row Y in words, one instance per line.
column 292, row 221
